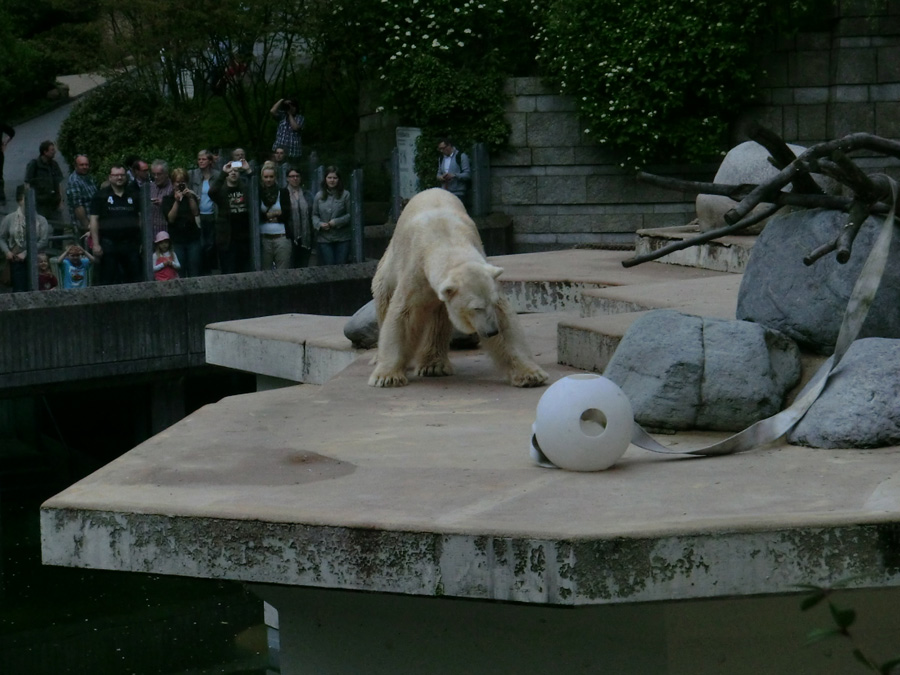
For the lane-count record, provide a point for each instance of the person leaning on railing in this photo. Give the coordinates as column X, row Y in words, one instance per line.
column 13, row 241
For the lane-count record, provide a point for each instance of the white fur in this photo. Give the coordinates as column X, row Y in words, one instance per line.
column 434, row 276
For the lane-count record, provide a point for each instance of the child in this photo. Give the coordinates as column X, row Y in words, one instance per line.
column 75, row 265
column 165, row 262
column 46, row 279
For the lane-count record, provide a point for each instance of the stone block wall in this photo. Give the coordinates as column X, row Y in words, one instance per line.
column 826, row 84
column 562, row 189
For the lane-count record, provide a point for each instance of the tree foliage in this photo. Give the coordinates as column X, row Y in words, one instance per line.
column 436, row 64
column 657, row 81
column 122, row 119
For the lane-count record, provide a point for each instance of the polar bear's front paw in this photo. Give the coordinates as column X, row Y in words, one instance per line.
column 527, row 375
column 436, row 369
column 387, row 379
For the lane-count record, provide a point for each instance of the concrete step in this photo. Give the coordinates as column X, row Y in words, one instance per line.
column 726, row 254
column 588, row 343
column 283, row 349
column 553, row 281
column 717, row 296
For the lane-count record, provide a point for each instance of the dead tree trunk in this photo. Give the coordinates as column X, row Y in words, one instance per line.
column 871, row 194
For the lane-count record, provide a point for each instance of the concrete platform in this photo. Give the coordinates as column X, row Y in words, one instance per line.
column 429, row 490
column 425, row 496
column 588, row 341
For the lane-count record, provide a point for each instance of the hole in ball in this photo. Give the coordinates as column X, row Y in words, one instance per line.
column 593, row 422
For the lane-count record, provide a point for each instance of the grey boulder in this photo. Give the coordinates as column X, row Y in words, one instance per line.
column 807, row 303
column 747, row 162
column 687, row 372
column 860, row 407
column 362, row 330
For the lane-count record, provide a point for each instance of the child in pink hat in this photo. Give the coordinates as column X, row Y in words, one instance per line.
column 165, row 262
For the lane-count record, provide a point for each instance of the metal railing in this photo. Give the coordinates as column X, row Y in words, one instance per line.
column 357, row 224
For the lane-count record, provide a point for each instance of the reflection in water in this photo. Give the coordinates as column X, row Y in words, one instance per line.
column 57, row 620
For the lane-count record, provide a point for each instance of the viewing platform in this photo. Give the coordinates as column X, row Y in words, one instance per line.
column 407, row 530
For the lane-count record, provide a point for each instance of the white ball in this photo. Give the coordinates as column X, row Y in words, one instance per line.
column 584, row 423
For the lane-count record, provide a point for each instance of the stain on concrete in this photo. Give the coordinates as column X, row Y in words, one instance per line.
column 293, row 467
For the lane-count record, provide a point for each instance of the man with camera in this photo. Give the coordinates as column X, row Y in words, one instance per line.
column 290, row 123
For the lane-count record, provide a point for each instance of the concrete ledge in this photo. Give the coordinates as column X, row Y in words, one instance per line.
column 299, row 348
column 553, row 281
column 708, row 296
column 726, row 254
column 147, row 328
column 589, row 343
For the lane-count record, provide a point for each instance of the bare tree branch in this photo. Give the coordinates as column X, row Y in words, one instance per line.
column 872, row 193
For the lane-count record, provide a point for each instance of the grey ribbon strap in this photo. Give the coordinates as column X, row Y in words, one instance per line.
column 772, row 428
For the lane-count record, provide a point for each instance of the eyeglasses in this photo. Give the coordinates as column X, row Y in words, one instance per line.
column 293, row 175
column 117, row 175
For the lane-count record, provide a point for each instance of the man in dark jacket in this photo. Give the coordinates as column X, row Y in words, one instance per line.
column 44, row 176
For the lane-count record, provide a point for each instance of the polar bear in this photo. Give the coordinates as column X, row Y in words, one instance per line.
column 432, row 277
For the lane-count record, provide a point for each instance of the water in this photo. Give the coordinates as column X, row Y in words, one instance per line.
column 62, row 621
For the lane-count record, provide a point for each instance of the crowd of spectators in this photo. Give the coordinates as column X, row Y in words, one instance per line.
column 199, row 218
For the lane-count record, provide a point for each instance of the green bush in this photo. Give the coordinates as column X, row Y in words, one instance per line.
column 111, row 119
column 657, row 81
column 121, row 119
column 24, row 74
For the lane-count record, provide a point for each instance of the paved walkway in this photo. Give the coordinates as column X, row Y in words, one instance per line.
column 29, row 135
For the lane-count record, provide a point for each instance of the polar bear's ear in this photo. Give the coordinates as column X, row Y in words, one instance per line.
column 447, row 291
column 495, row 271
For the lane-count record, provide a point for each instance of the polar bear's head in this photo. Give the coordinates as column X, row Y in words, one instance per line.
column 471, row 294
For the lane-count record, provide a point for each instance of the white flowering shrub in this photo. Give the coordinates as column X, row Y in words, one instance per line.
column 439, row 64
column 657, row 81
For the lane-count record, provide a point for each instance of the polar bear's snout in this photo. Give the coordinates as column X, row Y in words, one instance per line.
column 484, row 321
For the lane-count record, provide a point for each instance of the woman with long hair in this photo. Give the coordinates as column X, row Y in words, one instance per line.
column 274, row 215
column 331, row 219
column 300, row 226
column 201, row 180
